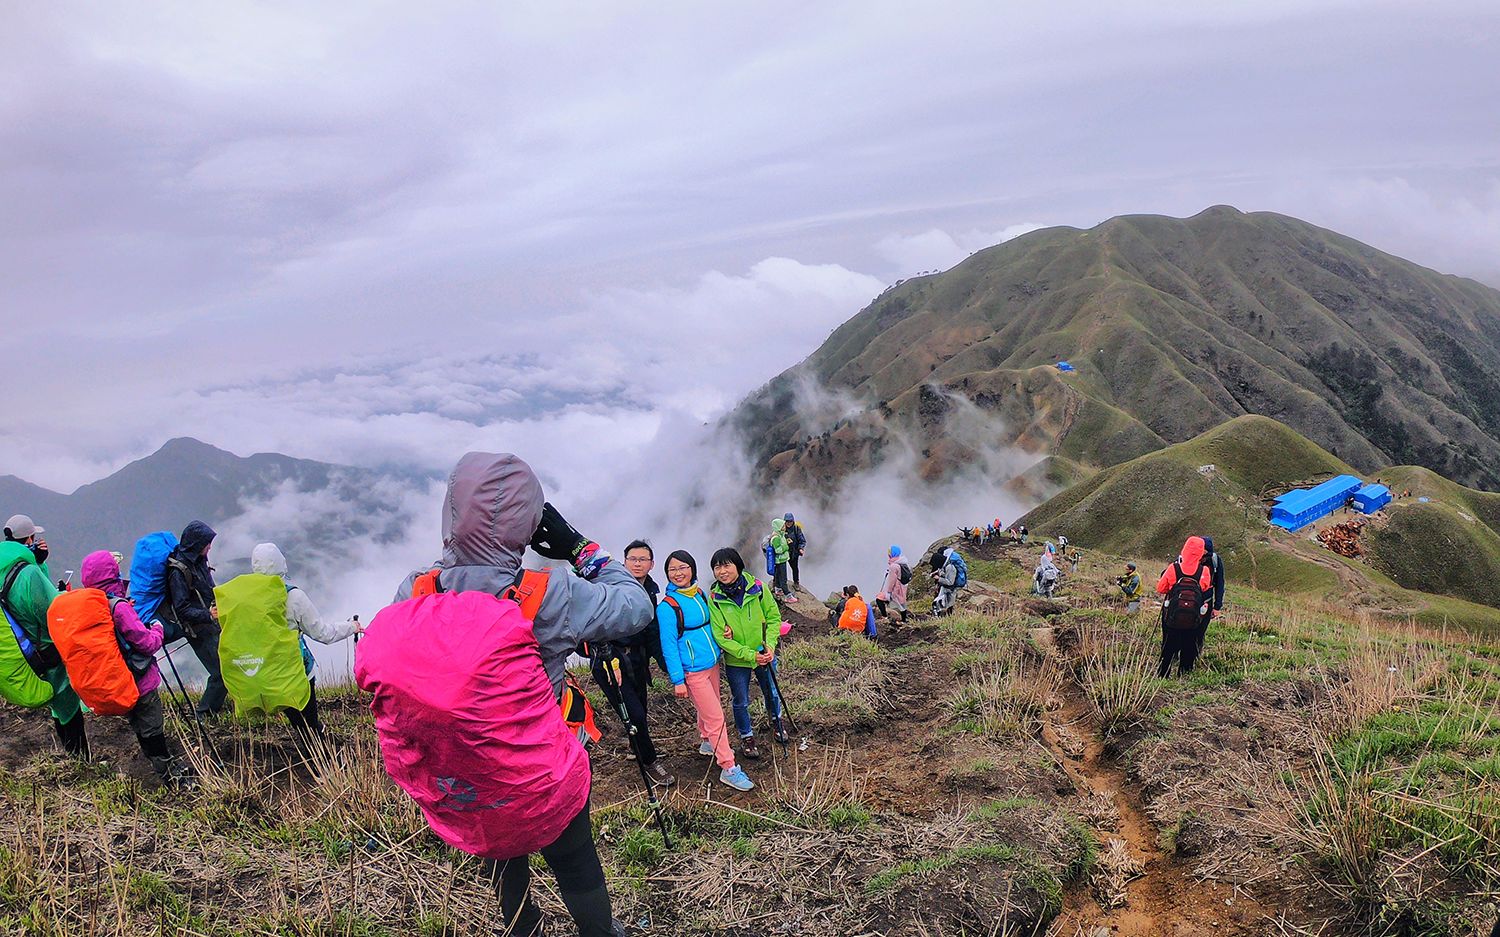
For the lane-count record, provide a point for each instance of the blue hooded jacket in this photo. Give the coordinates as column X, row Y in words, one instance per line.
column 696, row 650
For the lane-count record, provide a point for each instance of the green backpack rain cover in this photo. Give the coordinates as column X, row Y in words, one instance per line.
column 259, row 655
column 19, row 684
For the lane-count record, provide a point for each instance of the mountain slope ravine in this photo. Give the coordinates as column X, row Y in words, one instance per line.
column 1138, row 888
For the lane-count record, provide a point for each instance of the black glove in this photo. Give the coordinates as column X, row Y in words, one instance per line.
column 555, row 538
column 40, row 552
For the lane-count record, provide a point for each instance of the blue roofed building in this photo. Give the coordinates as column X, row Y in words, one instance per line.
column 1372, row 498
column 1298, row 508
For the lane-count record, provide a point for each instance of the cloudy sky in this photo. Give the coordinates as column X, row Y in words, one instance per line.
column 393, row 232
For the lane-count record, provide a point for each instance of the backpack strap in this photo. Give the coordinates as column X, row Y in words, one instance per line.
column 528, row 591
column 10, row 580
column 681, row 619
column 682, row 628
column 577, row 712
column 427, row 584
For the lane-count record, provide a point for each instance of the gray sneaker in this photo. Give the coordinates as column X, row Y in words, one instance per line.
column 705, row 747
column 659, row 775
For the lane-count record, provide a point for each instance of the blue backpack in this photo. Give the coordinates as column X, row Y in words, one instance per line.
column 963, row 570
column 148, row 572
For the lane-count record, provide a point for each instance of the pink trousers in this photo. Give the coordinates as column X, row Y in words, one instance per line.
column 703, row 690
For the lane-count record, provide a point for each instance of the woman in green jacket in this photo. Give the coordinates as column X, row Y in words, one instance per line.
column 747, row 624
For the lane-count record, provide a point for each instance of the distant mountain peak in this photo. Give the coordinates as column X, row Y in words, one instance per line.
column 1173, row 325
column 188, row 447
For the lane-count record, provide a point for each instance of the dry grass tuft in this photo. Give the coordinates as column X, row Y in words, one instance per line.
column 1117, row 667
column 1006, row 697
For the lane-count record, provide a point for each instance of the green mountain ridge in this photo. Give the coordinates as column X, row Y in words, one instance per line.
column 1437, row 561
column 1175, row 326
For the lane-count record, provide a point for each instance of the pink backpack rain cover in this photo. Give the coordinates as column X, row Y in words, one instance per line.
column 468, row 723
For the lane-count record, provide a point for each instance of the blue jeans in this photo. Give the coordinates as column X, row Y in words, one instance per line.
column 739, row 692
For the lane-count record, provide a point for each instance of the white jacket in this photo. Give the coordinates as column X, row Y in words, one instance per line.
column 301, row 614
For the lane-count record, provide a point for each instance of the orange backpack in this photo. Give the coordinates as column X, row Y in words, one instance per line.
column 856, row 610
column 528, row 591
column 82, row 625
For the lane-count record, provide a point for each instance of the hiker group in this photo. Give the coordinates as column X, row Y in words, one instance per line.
column 93, row 648
column 495, row 753
column 478, row 719
column 784, row 547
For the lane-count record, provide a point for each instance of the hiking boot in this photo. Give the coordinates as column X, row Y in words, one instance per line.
column 736, row 778
column 749, row 748
column 706, row 747
column 173, row 773
column 659, row 775
column 781, row 734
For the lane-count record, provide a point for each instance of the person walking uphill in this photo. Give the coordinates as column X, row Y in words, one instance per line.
column 782, row 550
column 467, row 686
column 191, row 612
column 747, row 625
column 687, row 641
column 35, row 674
column 623, row 673
column 797, row 546
column 138, row 644
column 1188, row 587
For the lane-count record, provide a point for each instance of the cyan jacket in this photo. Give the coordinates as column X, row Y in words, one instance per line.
column 696, row 650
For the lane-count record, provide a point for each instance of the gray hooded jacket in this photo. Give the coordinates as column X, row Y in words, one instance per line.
column 491, row 511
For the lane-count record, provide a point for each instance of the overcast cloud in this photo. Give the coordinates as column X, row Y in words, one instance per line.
column 389, row 233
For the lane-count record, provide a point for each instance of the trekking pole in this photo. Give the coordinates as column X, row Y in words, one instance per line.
column 203, row 736
column 785, row 712
column 776, row 686
column 612, row 682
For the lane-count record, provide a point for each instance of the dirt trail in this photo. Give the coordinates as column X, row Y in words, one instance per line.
column 1138, row 889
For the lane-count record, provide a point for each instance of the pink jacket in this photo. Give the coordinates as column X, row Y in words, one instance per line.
column 100, row 571
column 469, row 725
column 893, row 590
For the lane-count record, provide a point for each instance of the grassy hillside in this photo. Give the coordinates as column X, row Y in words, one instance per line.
column 1175, row 325
column 1434, row 562
column 1152, row 503
column 1018, row 771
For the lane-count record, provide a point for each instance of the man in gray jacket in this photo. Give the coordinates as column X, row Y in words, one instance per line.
column 494, row 509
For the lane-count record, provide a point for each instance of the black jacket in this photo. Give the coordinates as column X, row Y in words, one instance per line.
column 1217, row 563
column 190, row 580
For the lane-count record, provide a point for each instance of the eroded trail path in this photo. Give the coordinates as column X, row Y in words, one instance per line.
column 1138, row 888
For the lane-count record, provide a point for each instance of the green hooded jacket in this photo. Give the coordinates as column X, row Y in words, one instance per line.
column 30, row 596
column 778, row 541
column 742, row 628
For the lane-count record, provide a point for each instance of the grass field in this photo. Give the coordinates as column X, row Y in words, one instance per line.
column 1322, row 771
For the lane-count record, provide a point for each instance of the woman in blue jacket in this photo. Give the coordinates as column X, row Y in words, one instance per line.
column 692, row 658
